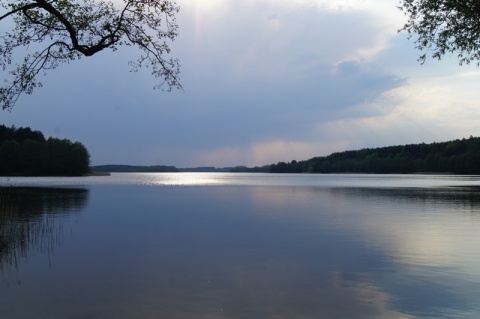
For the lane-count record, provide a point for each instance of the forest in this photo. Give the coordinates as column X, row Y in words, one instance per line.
column 24, row 152
column 456, row 157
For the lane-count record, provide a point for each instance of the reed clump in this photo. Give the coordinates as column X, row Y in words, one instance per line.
column 22, row 229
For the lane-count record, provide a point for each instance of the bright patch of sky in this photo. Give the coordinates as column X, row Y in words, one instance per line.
column 265, row 81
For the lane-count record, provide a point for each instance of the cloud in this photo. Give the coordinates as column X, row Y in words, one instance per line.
column 424, row 110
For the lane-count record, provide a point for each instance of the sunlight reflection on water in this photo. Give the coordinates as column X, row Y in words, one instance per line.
column 250, row 179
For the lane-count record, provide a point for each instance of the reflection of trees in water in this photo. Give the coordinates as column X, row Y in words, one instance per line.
column 467, row 197
column 31, row 219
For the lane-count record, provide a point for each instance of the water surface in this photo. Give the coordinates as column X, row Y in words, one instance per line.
column 242, row 246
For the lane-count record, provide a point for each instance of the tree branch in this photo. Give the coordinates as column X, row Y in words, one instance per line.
column 83, row 28
column 22, row 8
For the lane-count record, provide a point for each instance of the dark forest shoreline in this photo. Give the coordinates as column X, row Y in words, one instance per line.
column 457, row 157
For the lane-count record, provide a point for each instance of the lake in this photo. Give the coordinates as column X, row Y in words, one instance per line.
column 224, row 245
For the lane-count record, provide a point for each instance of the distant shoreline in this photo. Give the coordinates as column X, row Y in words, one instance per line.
column 154, row 169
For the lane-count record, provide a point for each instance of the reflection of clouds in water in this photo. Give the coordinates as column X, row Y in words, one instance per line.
column 369, row 294
column 284, row 290
column 421, row 226
column 431, row 234
column 273, row 283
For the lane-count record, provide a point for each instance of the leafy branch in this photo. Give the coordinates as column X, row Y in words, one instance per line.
column 444, row 26
column 71, row 29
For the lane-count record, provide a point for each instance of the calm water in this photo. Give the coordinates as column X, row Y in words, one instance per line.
column 240, row 246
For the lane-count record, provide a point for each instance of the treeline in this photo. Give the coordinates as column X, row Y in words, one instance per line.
column 171, row 169
column 132, row 168
column 157, row 169
column 24, row 152
column 245, row 169
column 457, row 156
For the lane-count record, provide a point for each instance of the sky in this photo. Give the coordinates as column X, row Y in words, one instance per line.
column 263, row 81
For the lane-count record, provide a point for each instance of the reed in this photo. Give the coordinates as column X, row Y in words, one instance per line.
column 32, row 219
column 22, row 229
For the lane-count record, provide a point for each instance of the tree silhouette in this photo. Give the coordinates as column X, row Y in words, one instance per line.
column 66, row 30
column 444, row 26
